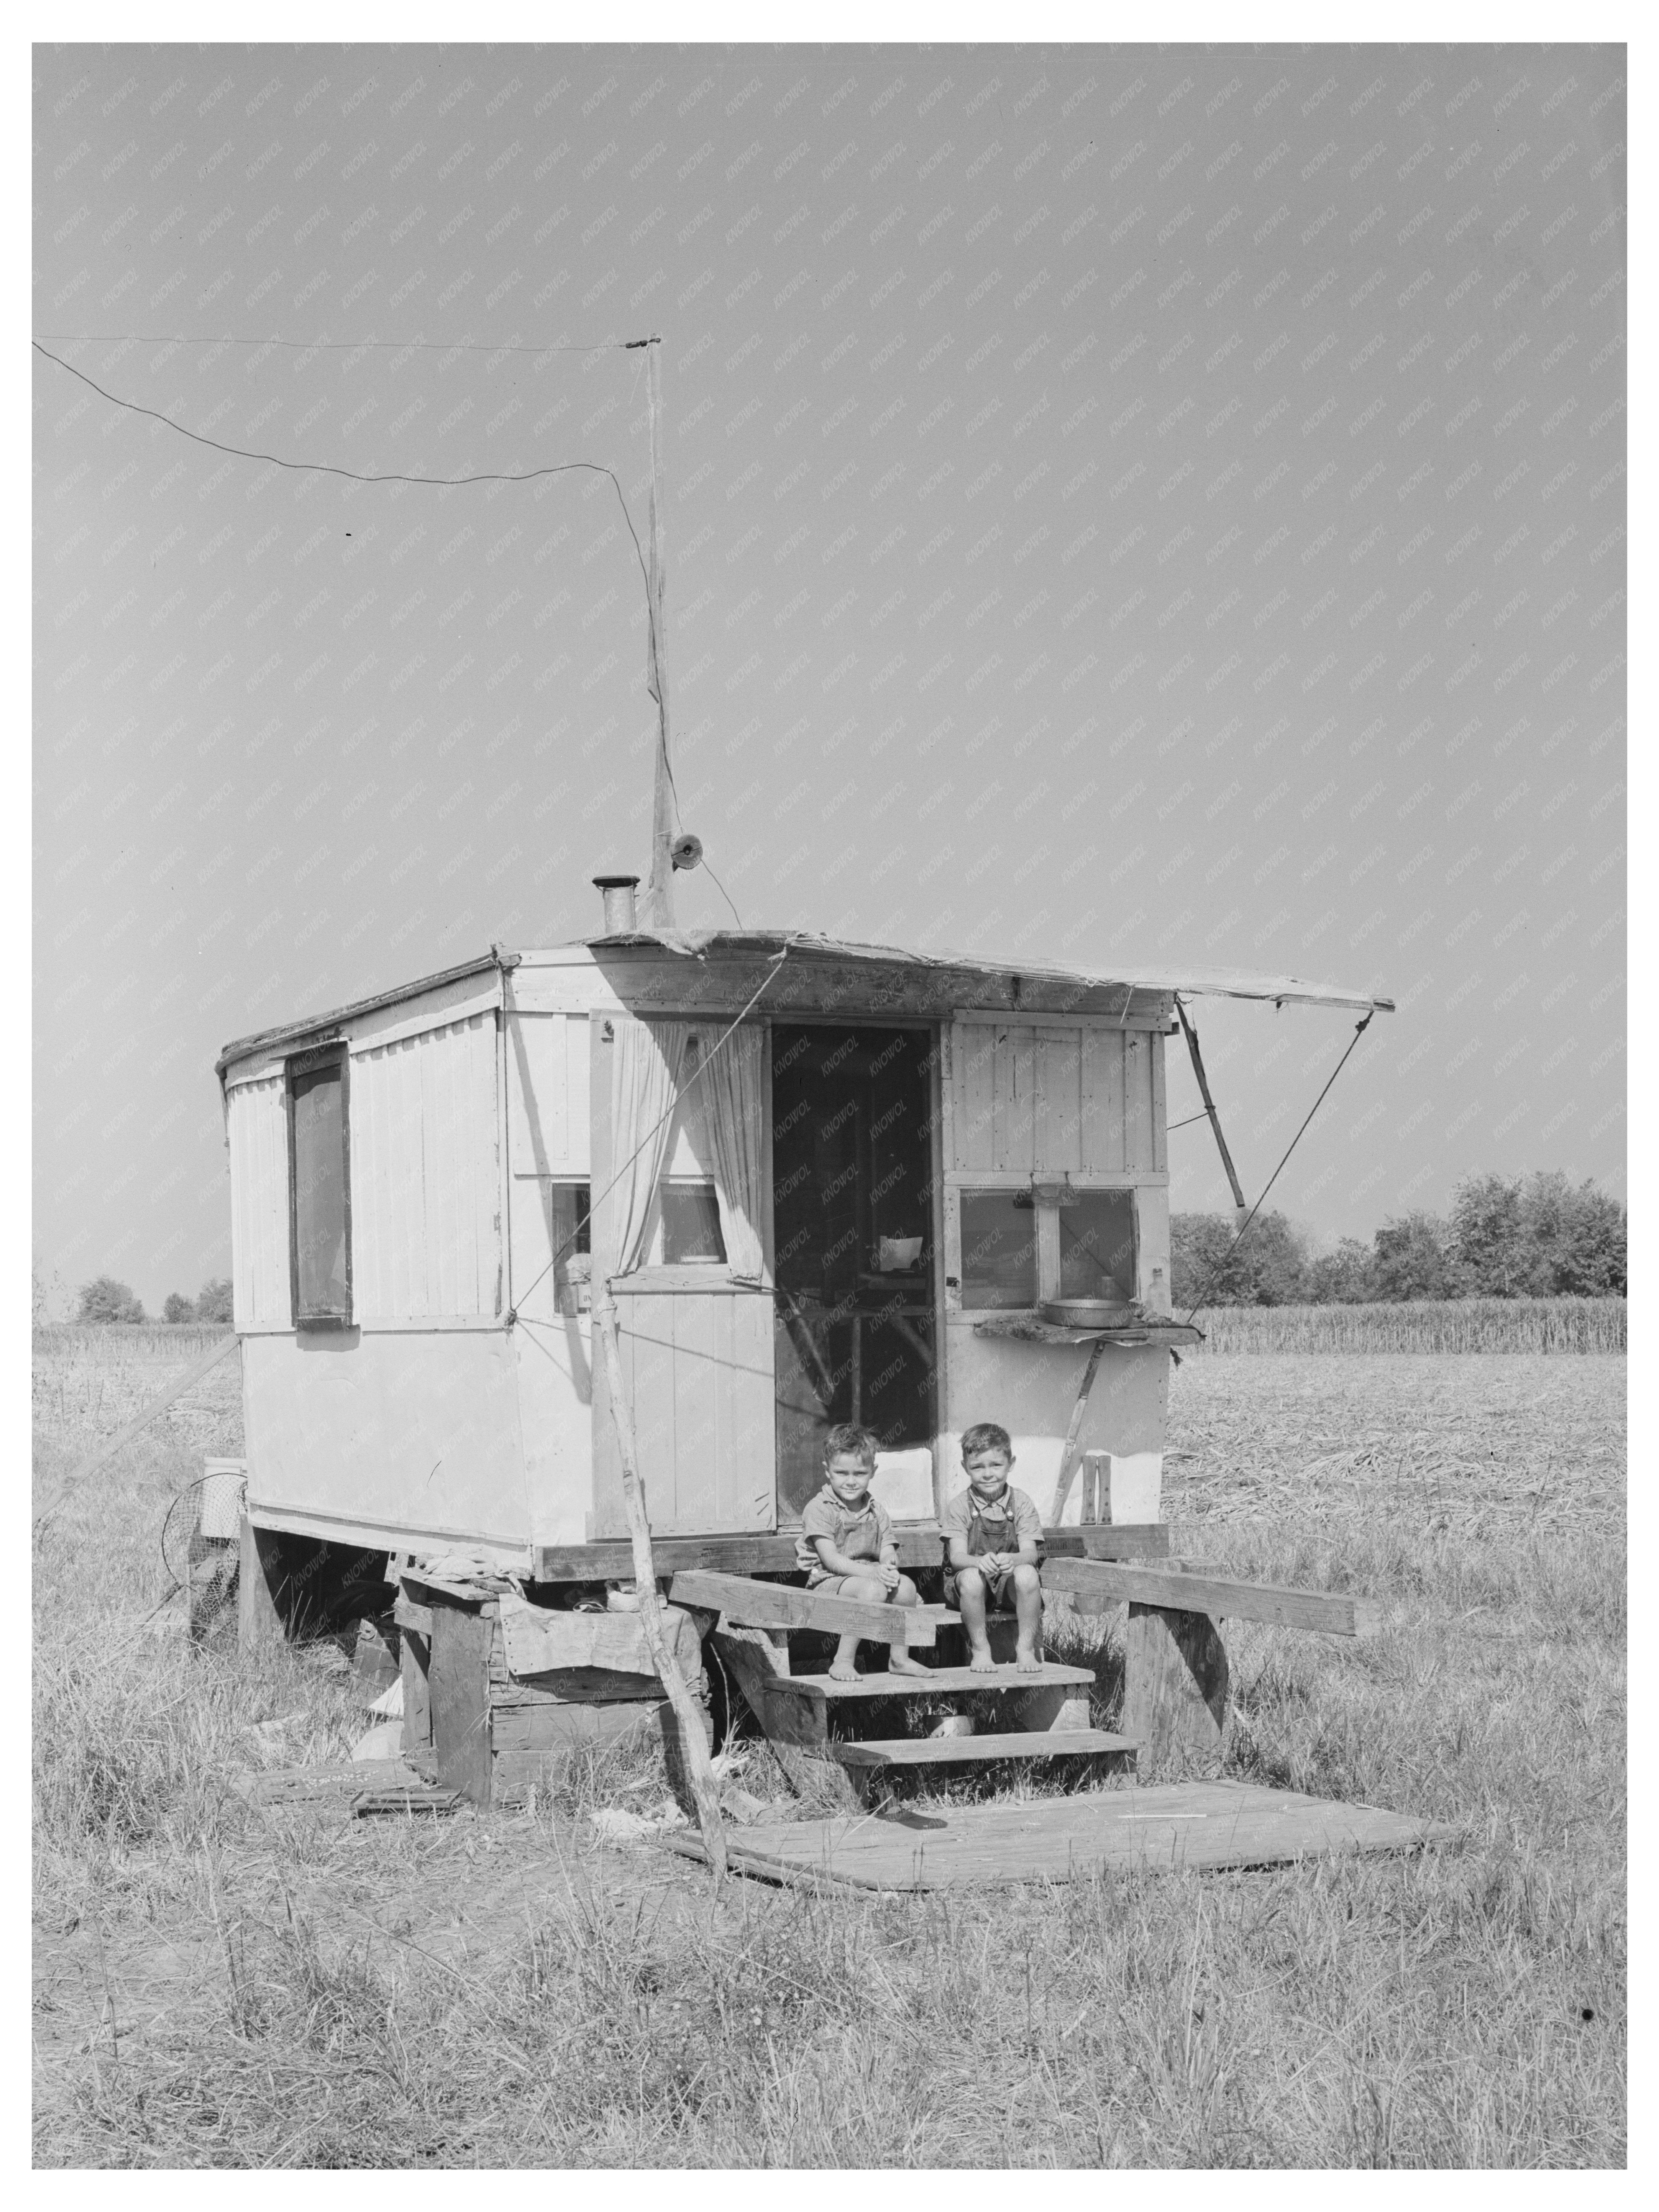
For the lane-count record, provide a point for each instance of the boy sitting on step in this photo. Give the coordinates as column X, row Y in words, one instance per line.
column 991, row 1532
column 846, row 1545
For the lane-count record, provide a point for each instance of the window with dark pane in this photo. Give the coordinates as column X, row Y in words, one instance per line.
column 690, row 1223
column 567, row 1233
column 1097, row 1245
column 320, row 1192
column 999, row 1248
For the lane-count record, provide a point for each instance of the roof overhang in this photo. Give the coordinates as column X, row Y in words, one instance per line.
column 738, row 944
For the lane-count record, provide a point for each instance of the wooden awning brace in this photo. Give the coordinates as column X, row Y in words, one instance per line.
column 1191, row 1035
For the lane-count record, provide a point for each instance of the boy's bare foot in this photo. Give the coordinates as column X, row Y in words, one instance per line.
column 842, row 1670
column 1027, row 1662
column 982, row 1662
column 901, row 1663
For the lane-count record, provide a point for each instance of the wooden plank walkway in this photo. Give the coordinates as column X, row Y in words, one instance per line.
column 1194, row 1824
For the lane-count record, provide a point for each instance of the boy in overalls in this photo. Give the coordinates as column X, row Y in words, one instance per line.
column 991, row 1532
column 846, row 1546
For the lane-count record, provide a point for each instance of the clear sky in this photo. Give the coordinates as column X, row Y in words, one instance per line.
column 1120, row 503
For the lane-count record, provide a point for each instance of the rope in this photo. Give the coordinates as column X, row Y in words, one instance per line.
column 772, row 969
column 1360, row 1028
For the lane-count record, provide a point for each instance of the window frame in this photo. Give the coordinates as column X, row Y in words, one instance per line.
column 336, row 1052
column 1046, row 1195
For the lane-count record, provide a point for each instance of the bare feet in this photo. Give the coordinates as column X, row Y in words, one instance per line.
column 842, row 1670
column 901, row 1663
column 982, row 1662
column 1027, row 1662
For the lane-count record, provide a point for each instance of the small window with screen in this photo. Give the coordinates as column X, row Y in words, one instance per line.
column 691, row 1225
column 319, row 1191
column 999, row 1248
column 1097, row 1245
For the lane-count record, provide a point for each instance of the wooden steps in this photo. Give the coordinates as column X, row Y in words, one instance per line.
column 950, row 1750
column 937, row 1682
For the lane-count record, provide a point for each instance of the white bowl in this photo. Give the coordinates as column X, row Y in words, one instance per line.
column 898, row 1253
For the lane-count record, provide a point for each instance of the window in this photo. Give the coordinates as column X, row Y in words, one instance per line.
column 1097, row 1244
column 999, row 1248
column 572, row 1247
column 691, row 1224
column 320, row 1190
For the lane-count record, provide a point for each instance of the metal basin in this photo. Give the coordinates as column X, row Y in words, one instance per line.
column 1090, row 1313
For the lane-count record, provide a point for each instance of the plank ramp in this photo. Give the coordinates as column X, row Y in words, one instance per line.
column 1120, row 1830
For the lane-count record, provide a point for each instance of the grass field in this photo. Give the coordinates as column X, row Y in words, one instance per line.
column 214, row 1988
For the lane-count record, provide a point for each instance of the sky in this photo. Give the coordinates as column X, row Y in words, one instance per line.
column 1119, row 503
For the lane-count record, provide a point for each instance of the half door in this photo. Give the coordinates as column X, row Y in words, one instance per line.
column 679, row 1201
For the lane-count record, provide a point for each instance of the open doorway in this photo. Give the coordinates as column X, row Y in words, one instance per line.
column 852, row 1217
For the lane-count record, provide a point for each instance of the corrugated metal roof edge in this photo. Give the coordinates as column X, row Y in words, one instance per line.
column 1205, row 982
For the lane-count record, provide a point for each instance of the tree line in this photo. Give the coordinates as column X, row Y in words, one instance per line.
column 1531, row 1237
column 104, row 1299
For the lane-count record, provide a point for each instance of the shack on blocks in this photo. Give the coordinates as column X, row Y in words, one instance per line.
column 828, row 1181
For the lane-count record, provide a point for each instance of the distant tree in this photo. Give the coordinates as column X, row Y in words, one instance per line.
column 1268, row 1269
column 1488, row 1247
column 1412, row 1259
column 1345, row 1277
column 1575, row 1238
column 107, row 1300
column 215, row 1302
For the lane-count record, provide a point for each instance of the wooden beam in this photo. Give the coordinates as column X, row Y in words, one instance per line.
column 1063, row 1479
column 1111, row 1583
column 694, row 1744
column 612, row 1560
column 777, row 1605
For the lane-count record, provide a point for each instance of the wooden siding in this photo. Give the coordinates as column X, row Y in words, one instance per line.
column 425, row 1192
column 257, row 1129
column 547, row 1092
column 1082, row 1098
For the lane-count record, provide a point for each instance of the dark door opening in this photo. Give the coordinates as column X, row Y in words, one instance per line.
column 853, row 1215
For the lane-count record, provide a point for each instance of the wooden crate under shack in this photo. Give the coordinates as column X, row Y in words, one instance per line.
column 828, row 1181
column 494, row 1706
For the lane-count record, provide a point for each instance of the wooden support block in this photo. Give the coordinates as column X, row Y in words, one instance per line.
column 1174, row 1690
column 408, row 1614
column 777, row 1605
column 796, row 1729
column 258, row 1624
column 415, row 1662
column 459, row 1684
column 1058, row 1706
column 1111, row 1583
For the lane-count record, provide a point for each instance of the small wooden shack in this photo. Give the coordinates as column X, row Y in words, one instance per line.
column 828, row 1181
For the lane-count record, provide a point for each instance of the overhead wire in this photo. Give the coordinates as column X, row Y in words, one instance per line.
column 358, row 475
column 337, row 345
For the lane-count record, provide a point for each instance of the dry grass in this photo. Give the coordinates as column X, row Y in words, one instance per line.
column 1425, row 1325
column 217, row 1989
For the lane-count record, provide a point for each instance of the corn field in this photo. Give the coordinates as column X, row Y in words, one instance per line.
column 1428, row 1325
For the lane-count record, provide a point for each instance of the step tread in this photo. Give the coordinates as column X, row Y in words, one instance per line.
column 936, row 1679
column 942, row 1750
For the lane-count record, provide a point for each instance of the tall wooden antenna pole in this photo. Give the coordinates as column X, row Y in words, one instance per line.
column 660, row 885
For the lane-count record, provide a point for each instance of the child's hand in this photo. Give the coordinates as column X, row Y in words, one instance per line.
column 993, row 1562
column 890, row 1575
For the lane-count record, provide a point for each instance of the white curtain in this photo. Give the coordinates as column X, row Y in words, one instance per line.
column 731, row 1084
column 645, row 1078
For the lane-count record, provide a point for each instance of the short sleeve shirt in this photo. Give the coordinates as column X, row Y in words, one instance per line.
column 856, row 1533
column 1018, row 1515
